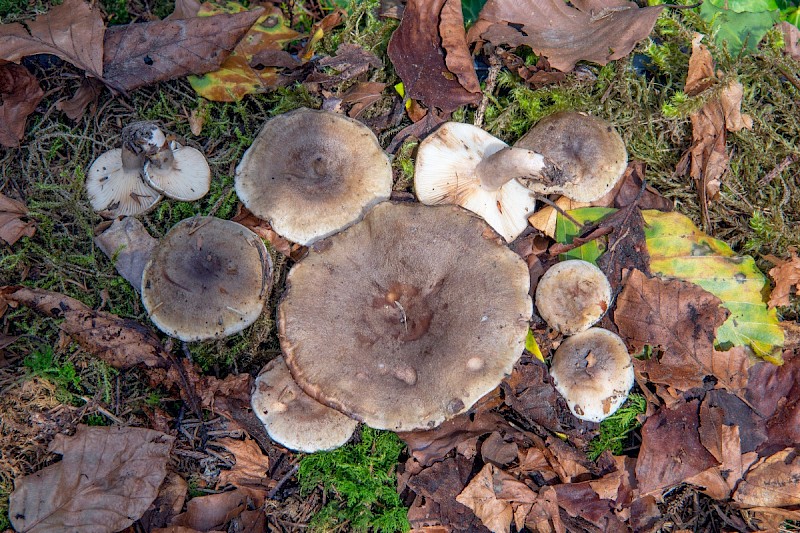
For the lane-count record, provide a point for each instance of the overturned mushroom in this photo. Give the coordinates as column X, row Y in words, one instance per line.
column 572, row 296
column 593, row 372
column 294, row 419
column 312, row 173
column 114, row 181
column 177, row 171
column 407, row 318
column 208, row 278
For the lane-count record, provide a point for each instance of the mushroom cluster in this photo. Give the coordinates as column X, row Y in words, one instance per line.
column 131, row 180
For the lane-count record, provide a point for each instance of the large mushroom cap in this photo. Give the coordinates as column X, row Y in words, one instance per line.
column 572, row 296
column 593, row 372
column 312, row 173
column 588, row 149
column 445, row 173
column 407, row 318
column 115, row 187
column 207, row 278
column 294, row 419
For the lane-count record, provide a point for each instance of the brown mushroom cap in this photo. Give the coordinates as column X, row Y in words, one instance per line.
column 407, row 318
column 572, row 296
column 588, row 149
column 593, row 372
column 312, row 173
column 294, row 419
column 208, row 278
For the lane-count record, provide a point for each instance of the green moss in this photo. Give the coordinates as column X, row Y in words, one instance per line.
column 44, row 364
column 616, row 428
column 361, row 483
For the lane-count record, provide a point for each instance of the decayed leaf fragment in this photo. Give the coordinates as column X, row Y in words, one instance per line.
column 772, row 482
column 106, row 480
column 708, row 154
column 417, row 53
column 14, row 221
column 786, row 274
column 497, row 498
column 20, row 93
column 592, row 30
column 129, row 245
column 72, row 31
column 251, row 467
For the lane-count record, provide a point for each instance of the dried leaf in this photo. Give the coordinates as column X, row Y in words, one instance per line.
column 184, row 9
column 168, row 504
column 545, row 218
column 349, row 62
column 494, row 497
column 772, row 482
column 454, row 42
column 597, row 30
column 497, row 451
column 251, row 467
column 127, row 243
column 19, row 95
column 120, row 342
column 791, row 38
column 362, row 95
column 87, row 93
column 236, row 77
column 671, row 450
column 627, row 249
column 106, row 480
column 14, row 221
column 629, row 190
column 215, row 510
column 149, row 52
column 419, row 59
column 581, row 500
column 721, row 410
column 786, row 274
column 682, row 318
column 72, row 31
column 265, row 231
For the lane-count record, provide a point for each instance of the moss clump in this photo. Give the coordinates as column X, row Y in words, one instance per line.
column 361, row 482
column 616, row 428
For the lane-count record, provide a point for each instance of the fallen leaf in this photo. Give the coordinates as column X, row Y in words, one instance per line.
column 184, row 9
column 251, row 467
column 168, row 504
column 236, row 76
column 580, row 500
column 350, row 61
column 721, row 410
column 739, row 31
column 87, row 93
column 544, row 516
column 629, row 190
column 72, row 31
column 127, row 243
column 627, row 249
column 682, row 318
column 215, row 510
column 494, row 496
column 319, row 30
column 416, row 52
column 593, row 30
column 20, row 93
column 545, row 219
column 786, row 274
column 498, row 451
column 457, row 56
column 120, row 342
column 770, row 386
column 362, row 95
column 671, row 450
column 791, row 39
column 148, row 52
column 14, row 221
column 265, row 231
column 105, row 481
column 772, row 481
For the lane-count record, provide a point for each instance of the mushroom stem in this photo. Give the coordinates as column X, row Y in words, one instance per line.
column 510, row 163
column 164, row 157
column 131, row 160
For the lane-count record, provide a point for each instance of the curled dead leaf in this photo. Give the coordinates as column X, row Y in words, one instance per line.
column 786, row 274
column 19, row 95
column 14, row 221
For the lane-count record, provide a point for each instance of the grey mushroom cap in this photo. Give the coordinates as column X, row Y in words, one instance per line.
column 572, row 296
column 587, row 149
column 593, row 371
column 294, row 419
column 208, row 278
column 312, row 173
column 407, row 318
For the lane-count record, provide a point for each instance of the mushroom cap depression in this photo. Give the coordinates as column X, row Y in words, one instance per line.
column 593, row 372
column 445, row 173
column 407, row 318
column 572, row 296
column 208, row 278
column 294, row 419
column 312, row 173
column 587, row 149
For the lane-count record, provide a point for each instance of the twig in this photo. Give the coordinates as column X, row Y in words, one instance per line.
column 551, row 203
column 775, row 172
column 281, row 482
column 491, row 82
column 577, row 242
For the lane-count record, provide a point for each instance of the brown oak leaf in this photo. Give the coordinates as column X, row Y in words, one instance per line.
column 20, row 93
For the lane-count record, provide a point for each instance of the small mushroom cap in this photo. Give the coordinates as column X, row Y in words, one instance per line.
column 313, row 173
column 115, row 190
column 208, row 278
column 572, row 296
column 593, row 372
column 445, row 174
column 587, row 148
column 294, row 419
column 407, row 318
column 188, row 178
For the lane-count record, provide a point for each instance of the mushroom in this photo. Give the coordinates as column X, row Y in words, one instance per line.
column 312, row 173
column 572, row 296
column 207, row 278
column 180, row 172
column 292, row 418
column 407, row 318
column 593, row 372
column 114, row 181
column 587, row 149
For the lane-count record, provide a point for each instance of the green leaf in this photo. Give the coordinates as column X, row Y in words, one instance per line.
column 746, row 6
column 792, row 16
column 470, row 9
column 566, row 231
column 738, row 31
column 532, row 346
column 679, row 250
